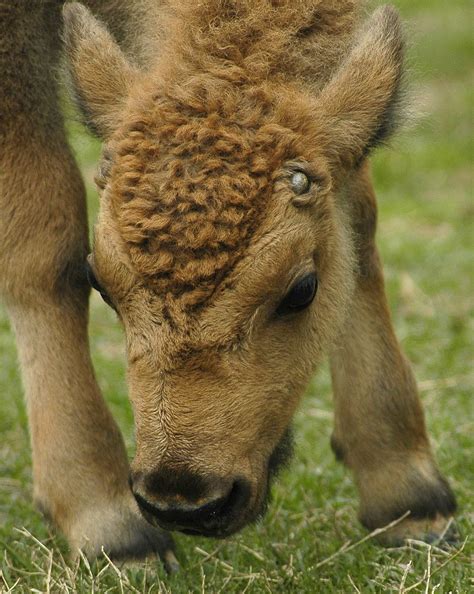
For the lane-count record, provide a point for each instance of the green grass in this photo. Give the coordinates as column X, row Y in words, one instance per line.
column 426, row 228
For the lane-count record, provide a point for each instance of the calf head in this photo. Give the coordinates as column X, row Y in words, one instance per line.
column 222, row 241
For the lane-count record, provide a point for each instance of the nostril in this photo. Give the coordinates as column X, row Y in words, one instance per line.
column 147, row 508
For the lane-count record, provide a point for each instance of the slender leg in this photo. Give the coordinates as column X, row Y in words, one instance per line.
column 379, row 423
column 79, row 460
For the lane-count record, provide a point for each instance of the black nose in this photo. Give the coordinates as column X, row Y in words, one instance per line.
column 190, row 503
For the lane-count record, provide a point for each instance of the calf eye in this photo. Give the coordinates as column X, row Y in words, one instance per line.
column 91, row 279
column 300, row 183
column 300, row 295
column 94, row 283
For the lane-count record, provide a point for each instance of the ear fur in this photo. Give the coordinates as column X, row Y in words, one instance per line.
column 100, row 74
column 359, row 108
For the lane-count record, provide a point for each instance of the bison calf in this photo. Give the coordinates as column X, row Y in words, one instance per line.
column 235, row 241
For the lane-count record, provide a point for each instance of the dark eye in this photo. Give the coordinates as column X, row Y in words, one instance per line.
column 94, row 283
column 300, row 182
column 300, row 295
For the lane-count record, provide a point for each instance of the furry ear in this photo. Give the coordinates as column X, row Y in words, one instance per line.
column 100, row 74
column 359, row 108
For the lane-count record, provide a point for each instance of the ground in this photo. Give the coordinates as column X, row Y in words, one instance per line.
column 310, row 541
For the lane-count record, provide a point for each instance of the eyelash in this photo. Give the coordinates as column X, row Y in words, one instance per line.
column 308, row 284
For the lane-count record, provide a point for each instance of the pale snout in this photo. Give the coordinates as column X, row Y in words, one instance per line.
column 178, row 499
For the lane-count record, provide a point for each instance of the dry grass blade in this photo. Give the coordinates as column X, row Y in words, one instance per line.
column 257, row 556
column 353, row 585
column 428, row 572
column 205, row 554
column 115, row 569
column 406, row 571
column 437, row 570
column 10, row 588
column 48, row 574
column 349, row 547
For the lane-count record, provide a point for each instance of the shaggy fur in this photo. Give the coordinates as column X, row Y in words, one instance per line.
column 228, row 38
column 205, row 116
column 193, row 169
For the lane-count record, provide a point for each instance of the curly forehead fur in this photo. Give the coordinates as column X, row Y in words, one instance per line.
column 190, row 187
column 194, row 166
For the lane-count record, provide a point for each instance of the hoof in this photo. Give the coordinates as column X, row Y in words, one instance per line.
column 439, row 530
column 408, row 501
column 123, row 535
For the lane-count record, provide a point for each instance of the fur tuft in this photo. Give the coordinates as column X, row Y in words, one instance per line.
column 282, row 39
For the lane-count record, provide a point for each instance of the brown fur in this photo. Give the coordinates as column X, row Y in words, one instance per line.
column 199, row 238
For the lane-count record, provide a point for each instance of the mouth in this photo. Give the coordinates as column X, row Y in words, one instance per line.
column 218, row 519
column 226, row 516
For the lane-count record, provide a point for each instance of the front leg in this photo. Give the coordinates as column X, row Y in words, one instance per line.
column 379, row 429
column 80, row 465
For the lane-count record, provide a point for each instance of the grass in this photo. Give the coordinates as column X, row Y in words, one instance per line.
column 310, row 541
